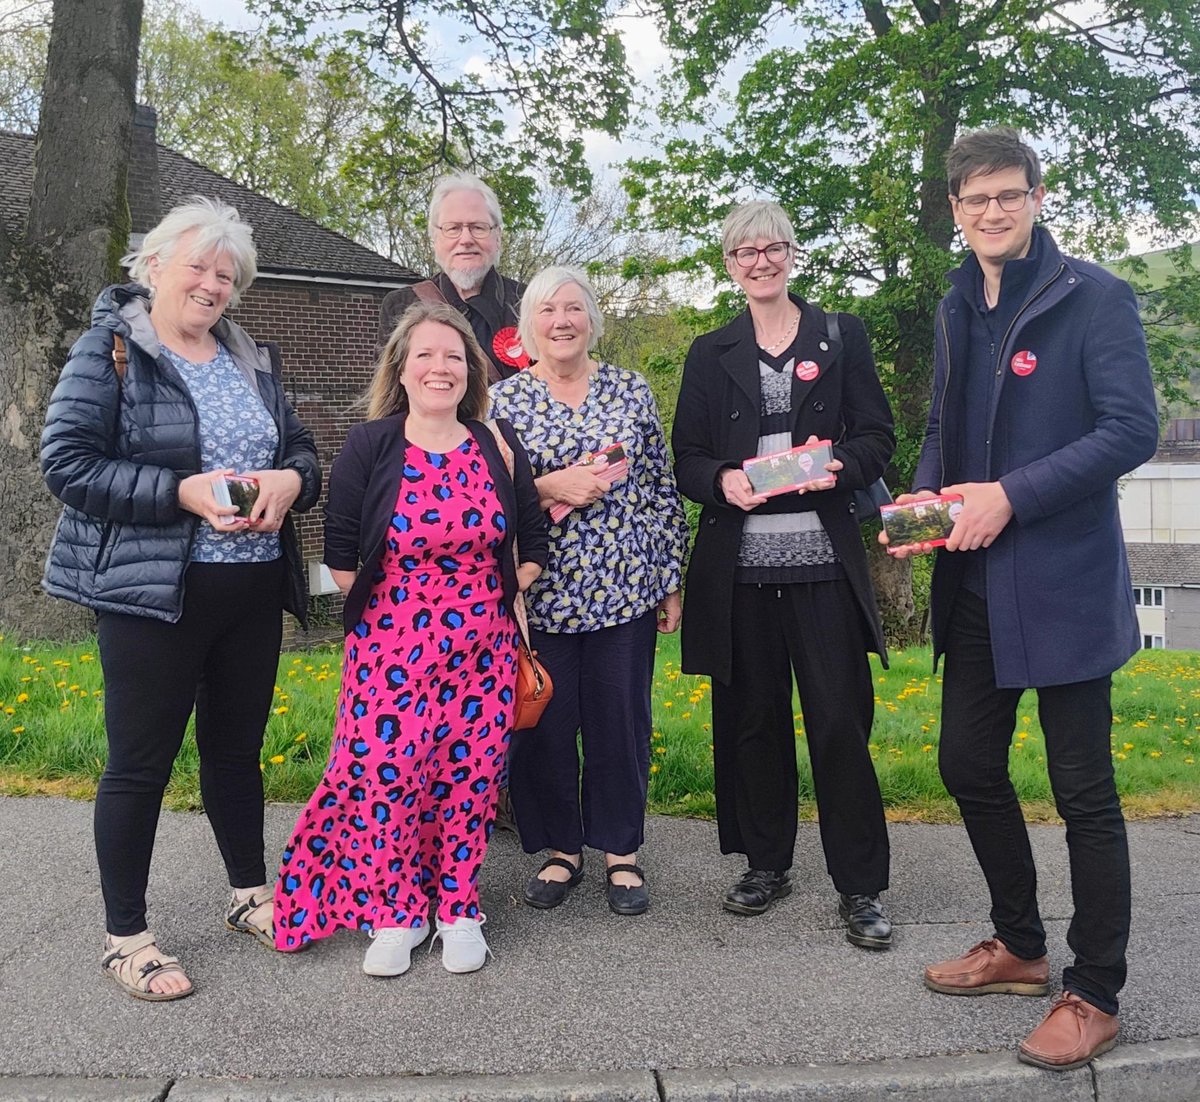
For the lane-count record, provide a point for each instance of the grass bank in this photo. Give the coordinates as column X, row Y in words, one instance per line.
column 52, row 733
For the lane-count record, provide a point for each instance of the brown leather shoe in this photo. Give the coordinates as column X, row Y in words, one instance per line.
column 989, row 969
column 1072, row 1034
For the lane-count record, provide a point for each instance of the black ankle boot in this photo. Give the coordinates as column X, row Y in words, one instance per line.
column 755, row 892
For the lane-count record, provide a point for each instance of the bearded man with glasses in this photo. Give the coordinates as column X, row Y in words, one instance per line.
column 465, row 227
column 1042, row 400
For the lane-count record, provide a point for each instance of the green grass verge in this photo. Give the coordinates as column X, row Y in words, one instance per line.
column 52, row 733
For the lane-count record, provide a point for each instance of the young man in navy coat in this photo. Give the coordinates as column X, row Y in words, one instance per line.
column 1042, row 400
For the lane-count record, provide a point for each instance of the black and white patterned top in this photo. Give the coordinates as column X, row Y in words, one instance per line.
column 781, row 548
column 617, row 558
column 236, row 432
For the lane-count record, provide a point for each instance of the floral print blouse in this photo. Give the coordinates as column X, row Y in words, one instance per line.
column 614, row 560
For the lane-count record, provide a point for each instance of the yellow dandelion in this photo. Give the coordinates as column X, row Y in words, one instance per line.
column 1119, row 756
column 281, row 710
column 660, row 749
column 1156, row 753
column 276, row 759
column 18, row 730
column 926, row 748
column 22, row 697
column 301, row 736
column 654, row 768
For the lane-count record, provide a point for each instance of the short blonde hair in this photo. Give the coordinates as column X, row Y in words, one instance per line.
column 217, row 226
column 543, row 287
column 387, row 394
column 748, row 222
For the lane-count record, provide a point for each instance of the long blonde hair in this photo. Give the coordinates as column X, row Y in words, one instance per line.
column 387, row 395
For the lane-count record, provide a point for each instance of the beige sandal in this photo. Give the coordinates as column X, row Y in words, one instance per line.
column 255, row 916
column 136, row 962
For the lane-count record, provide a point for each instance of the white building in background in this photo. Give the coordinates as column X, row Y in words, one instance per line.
column 1160, row 515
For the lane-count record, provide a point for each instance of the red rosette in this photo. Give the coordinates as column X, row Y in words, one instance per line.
column 506, row 345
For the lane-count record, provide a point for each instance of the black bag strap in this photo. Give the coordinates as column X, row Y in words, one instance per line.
column 834, row 327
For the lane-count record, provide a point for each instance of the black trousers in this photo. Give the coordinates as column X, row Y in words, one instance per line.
column 601, row 694
column 816, row 631
column 978, row 720
column 221, row 658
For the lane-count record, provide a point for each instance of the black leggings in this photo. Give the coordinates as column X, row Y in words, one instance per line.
column 221, row 657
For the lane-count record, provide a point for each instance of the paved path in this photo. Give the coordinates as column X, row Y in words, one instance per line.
column 687, row 1002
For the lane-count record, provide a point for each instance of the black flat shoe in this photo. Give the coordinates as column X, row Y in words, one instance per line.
column 548, row 894
column 756, row 891
column 624, row 900
column 866, row 924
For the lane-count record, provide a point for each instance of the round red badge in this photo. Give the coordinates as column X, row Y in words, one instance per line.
column 1023, row 363
column 507, row 346
column 807, row 370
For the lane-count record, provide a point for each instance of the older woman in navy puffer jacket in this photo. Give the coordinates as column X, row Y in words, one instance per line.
column 189, row 593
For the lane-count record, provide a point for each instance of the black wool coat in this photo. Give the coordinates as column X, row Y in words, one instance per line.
column 717, row 426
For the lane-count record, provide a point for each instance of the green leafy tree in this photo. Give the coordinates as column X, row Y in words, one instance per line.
column 558, row 64
column 843, row 112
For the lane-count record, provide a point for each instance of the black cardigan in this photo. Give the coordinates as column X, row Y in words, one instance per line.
column 363, row 485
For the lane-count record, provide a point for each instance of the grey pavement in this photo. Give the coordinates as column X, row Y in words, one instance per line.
column 685, row 1003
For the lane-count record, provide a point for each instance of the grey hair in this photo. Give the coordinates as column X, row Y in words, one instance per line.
column 748, row 222
column 217, row 225
column 543, row 287
column 462, row 181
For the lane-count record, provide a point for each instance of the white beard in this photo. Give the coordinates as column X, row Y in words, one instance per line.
column 469, row 279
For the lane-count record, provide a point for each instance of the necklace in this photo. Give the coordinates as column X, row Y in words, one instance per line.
column 787, row 335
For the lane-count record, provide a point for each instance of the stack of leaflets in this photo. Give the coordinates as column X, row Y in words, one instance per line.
column 608, row 463
column 782, row 472
column 929, row 520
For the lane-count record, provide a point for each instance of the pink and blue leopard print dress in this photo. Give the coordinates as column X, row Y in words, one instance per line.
column 404, row 809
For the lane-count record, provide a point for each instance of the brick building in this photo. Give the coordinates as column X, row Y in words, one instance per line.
column 317, row 293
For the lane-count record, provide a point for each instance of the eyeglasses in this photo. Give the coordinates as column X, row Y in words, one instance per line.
column 453, row 230
column 747, row 256
column 1010, row 201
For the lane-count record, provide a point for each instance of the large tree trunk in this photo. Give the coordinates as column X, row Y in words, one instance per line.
column 903, row 622
column 78, row 227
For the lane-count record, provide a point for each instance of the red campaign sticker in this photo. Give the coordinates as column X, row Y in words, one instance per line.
column 1023, row 363
column 807, row 370
column 507, row 346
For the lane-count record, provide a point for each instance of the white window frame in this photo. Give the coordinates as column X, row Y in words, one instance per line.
column 1152, row 642
column 1148, row 596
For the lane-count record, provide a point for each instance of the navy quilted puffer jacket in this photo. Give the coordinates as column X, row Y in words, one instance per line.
column 114, row 453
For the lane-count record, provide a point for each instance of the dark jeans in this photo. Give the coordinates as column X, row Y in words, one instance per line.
column 221, row 657
column 602, row 693
column 978, row 720
column 816, row 631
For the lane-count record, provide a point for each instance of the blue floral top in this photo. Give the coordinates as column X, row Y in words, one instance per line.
column 236, row 431
column 614, row 560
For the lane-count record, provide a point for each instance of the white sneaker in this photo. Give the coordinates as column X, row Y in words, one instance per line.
column 463, row 946
column 390, row 951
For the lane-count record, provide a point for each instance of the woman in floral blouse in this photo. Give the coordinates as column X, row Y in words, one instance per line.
column 612, row 581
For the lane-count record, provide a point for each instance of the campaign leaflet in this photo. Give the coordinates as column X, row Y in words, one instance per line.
column 928, row 520
column 610, row 463
column 782, row 472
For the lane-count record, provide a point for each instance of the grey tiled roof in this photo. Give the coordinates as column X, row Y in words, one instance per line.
column 286, row 241
column 1164, row 563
